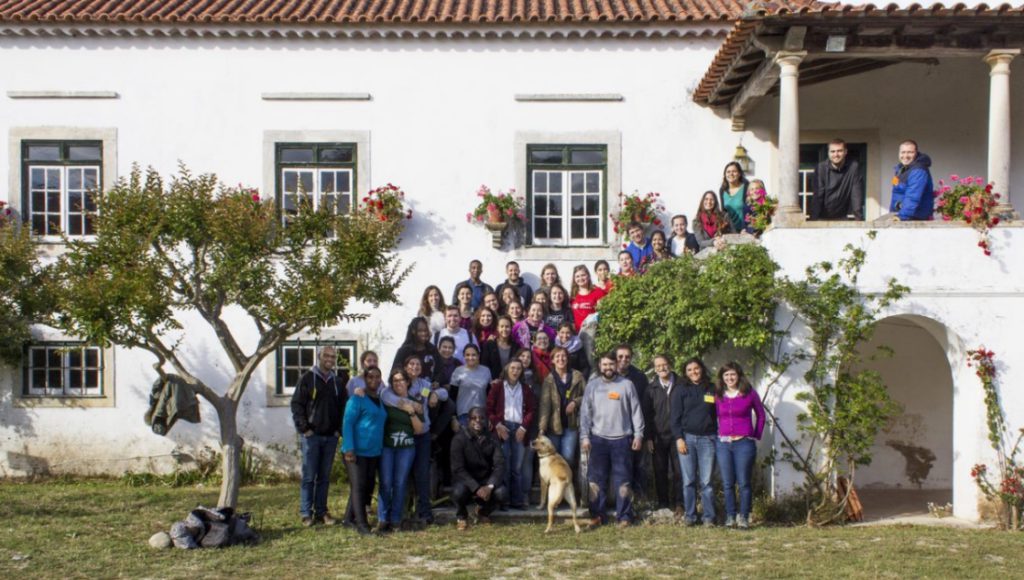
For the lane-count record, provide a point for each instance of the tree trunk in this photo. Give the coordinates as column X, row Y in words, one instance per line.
column 231, row 449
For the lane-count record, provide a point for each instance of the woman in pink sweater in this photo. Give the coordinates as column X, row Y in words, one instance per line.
column 740, row 424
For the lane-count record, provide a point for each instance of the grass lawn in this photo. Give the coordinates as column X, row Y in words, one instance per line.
column 99, row 529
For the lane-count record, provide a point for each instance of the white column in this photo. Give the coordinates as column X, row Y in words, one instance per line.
column 789, row 212
column 999, row 125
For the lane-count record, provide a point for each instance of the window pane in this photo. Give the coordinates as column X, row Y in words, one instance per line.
column 75, row 226
column 53, row 177
column 39, row 224
column 90, row 177
column 576, row 229
column 540, row 205
column 336, row 155
column 38, row 357
column 38, row 379
column 92, row 379
column 291, row 378
column 90, row 202
column 577, row 205
column 587, row 157
column 84, row 153
column 75, row 379
column 75, row 201
column 44, row 152
column 540, row 228
column 53, row 358
column 593, row 205
column 593, row 182
column 344, row 181
column 344, row 204
column 576, row 185
column 306, row 182
column 540, row 182
column 549, row 156
column 555, row 182
column 53, row 201
column 593, row 228
column 555, row 227
column 303, row 155
column 55, row 379
column 92, row 357
column 307, row 356
column 37, row 178
column 291, row 180
column 327, row 182
column 555, row 205
column 38, row 201
column 90, row 226
column 291, row 357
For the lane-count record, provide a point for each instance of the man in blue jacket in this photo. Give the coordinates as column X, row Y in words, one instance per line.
column 912, row 189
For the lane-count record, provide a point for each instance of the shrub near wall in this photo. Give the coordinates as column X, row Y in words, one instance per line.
column 688, row 307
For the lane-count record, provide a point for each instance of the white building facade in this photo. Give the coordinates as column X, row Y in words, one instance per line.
column 440, row 106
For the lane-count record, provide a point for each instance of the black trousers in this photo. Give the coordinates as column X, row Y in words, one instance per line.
column 667, row 477
column 362, row 476
column 462, row 496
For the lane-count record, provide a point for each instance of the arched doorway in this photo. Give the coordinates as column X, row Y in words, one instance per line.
column 912, row 459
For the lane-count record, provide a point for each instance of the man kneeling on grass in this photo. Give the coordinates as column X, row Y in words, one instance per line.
column 478, row 470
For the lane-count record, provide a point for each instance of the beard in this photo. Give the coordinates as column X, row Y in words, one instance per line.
column 609, row 374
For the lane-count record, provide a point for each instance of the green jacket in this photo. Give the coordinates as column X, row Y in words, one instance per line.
column 550, row 412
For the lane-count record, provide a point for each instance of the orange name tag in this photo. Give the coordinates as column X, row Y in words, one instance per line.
column 613, row 396
column 895, row 180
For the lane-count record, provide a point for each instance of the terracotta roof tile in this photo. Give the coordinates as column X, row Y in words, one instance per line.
column 379, row 11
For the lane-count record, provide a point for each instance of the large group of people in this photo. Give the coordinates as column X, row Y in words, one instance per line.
column 476, row 381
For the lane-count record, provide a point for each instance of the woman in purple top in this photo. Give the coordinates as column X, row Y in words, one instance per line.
column 735, row 401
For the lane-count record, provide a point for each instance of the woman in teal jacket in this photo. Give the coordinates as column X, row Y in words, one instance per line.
column 362, row 440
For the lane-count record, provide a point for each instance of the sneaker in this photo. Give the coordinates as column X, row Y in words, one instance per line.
column 730, row 521
column 307, row 521
column 327, row 519
column 743, row 522
column 462, row 525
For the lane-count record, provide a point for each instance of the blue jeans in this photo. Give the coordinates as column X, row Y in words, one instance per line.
column 395, row 465
column 698, row 465
column 421, row 473
column 317, row 459
column 529, row 458
column 566, row 444
column 611, row 457
column 514, row 452
column 736, row 464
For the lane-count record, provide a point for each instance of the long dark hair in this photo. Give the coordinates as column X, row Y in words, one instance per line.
column 725, row 182
column 716, row 216
column 743, row 383
column 705, row 376
column 410, row 333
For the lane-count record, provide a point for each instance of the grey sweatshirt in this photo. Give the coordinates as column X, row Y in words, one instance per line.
column 611, row 410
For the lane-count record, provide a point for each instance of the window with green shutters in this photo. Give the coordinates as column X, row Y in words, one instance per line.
column 322, row 174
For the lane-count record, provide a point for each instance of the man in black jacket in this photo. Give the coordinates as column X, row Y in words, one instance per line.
column 624, row 366
column 839, row 187
column 478, row 470
column 318, row 405
column 660, row 441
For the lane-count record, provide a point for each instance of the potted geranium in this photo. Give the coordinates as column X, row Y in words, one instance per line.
column 972, row 200
column 387, row 204
column 643, row 209
column 499, row 208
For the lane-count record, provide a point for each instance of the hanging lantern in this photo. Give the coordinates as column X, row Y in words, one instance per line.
column 744, row 160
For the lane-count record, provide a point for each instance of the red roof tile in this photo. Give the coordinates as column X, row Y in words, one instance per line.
column 380, row 11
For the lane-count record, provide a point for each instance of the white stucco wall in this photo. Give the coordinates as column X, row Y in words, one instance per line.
column 963, row 299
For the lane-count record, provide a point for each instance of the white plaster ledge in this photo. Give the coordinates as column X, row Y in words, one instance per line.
column 62, row 94
column 569, row 97
column 316, row 96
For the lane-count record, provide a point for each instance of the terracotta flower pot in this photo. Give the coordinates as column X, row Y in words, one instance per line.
column 494, row 216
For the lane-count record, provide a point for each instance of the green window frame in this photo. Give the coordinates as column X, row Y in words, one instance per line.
column 63, row 369
column 322, row 173
column 295, row 357
column 566, row 195
column 59, row 184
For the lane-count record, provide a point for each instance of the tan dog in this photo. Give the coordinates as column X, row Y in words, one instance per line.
column 555, row 480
